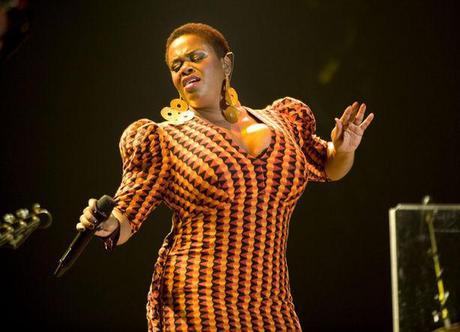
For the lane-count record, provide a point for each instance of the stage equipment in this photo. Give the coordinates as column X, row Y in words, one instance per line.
column 425, row 266
column 104, row 207
column 16, row 228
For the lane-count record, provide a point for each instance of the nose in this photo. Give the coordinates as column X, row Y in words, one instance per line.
column 186, row 70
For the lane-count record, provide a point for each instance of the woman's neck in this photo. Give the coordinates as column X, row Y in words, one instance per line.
column 212, row 114
column 216, row 115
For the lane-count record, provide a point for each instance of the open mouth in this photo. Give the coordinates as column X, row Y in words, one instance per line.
column 190, row 82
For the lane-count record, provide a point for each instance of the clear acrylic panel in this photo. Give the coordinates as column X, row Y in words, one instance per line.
column 425, row 263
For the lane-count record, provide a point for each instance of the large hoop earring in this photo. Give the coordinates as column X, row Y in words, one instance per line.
column 178, row 111
column 231, row 98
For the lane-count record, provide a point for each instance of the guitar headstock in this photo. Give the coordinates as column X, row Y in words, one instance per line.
column 16, row 228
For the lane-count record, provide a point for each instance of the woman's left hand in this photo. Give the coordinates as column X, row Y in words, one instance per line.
column 349, row 129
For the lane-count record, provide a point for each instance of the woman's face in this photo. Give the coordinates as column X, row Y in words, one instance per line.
column 196, row 71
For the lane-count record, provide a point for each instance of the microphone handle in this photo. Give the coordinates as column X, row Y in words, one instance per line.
column 104, row 207
column 74, row 251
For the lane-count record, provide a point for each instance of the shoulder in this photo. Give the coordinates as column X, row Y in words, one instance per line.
column 139, row 125
column 287, row 102
column 140, row 132
column 142, row 127
column 293, row 110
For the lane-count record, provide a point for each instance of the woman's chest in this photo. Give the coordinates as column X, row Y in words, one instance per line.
column 211, row 166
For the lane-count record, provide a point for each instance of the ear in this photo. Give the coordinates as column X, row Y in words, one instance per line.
column 228, row 61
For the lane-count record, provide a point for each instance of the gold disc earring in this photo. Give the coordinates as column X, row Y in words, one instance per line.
column 231, row 97
column 178, row 112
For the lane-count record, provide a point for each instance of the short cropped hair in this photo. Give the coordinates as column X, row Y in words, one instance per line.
column 207, row 32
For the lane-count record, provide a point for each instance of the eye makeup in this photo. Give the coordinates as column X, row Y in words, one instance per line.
column 194, row 56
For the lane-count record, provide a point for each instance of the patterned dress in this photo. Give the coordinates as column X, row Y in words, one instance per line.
column 223, row 266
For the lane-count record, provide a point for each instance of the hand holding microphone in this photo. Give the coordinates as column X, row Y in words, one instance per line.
column 89, row 221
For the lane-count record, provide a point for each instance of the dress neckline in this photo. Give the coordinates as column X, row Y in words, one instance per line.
column 229, row 138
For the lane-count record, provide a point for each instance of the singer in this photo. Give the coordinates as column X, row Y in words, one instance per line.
column 232, row 176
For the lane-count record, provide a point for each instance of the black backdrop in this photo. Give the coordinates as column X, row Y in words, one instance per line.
column 92, row 67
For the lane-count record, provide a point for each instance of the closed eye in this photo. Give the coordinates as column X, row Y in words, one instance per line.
column 176, row 66
column 195, row 56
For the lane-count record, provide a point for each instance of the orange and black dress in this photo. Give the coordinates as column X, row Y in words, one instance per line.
column 223, row 265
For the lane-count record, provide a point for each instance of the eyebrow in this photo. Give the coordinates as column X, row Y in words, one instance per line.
column 186, row 54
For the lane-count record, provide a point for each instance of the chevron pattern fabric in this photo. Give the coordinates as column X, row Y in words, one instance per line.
column 223, row 266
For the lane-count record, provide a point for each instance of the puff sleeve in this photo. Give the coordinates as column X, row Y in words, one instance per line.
column 301, row 122
column 145, row 171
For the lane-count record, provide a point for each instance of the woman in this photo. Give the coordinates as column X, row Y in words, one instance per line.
column 232, row 176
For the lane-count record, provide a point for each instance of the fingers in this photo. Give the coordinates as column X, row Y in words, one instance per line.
column 346, row 115
column 92, row 203
column 339, row 126
column 354, row 110
column 355, row 114
column 359, row 129
column 367, row 122
column 80, row 227
column 349, row 114
column 87, row 219
column 88, row 214
column 360, row 115
column 85, row 223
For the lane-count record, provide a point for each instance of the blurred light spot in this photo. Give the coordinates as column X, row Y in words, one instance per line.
column 326, row 74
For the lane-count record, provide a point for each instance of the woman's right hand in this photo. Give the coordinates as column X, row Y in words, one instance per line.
column 87, row 221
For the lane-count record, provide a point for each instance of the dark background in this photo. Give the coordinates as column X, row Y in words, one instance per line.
column 90, row 68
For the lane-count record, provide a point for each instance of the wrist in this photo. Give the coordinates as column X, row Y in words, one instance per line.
column 344, row 153
column 111, row 240
column 333, row 150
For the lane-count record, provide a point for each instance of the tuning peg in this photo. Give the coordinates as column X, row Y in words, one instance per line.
column 22, row 214
column 45, row 217
column 9, row 218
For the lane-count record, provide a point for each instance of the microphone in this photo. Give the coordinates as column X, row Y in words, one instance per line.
column 104, row 207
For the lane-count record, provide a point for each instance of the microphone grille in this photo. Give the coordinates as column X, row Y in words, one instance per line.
column 105, row 204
